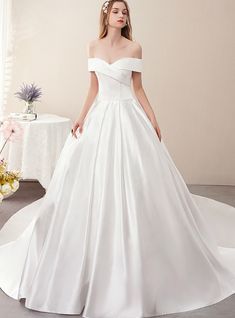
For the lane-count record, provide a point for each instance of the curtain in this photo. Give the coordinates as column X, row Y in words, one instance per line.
column 5, row 51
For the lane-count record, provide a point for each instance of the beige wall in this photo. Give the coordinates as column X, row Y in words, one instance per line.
column 188, row 52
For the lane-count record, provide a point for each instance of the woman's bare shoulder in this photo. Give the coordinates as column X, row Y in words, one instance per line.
column 136, row 49
column 91, row 45
column 136, row 44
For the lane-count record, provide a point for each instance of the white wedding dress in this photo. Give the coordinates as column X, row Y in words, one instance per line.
column 118, row 234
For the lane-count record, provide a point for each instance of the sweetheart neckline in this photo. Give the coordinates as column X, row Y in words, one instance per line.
column 122, row 58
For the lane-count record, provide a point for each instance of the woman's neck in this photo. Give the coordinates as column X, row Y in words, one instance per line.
column 114, row 36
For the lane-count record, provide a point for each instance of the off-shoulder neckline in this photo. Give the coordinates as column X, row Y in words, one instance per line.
column 122, row 58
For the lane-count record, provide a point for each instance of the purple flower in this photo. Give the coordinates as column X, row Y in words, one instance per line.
column 29, row 93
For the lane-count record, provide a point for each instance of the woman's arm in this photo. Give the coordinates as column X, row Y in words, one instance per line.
column 93, row 86
column 92, row 92
column 141, row 96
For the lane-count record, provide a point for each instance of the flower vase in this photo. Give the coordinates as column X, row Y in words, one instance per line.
column 29, row 108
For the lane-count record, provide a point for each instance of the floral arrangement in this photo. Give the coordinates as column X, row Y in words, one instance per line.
column 9, row 180
column 29, row 93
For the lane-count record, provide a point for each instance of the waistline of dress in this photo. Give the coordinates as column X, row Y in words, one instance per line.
column 110, row 99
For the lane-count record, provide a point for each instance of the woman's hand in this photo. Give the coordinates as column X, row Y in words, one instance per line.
column 78, row 124
column 156, row 127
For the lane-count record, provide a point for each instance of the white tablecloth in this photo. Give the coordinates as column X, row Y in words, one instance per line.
column 35, row 155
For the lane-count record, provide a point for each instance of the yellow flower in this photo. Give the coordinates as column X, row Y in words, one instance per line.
column 14, row 185
column 6, row 188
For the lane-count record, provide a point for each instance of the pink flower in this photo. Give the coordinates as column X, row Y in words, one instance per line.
column 11, row 130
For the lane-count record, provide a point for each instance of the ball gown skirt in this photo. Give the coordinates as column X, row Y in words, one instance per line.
column 118, row 234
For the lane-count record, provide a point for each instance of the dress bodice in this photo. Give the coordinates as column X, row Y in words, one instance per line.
column 115, row 78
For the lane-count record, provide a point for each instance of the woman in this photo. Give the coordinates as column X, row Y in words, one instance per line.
column 118, row 234
column 116, row 41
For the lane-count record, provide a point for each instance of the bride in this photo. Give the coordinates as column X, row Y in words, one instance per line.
column 118, row 234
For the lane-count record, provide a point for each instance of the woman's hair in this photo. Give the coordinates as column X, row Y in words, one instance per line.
column 104, row 17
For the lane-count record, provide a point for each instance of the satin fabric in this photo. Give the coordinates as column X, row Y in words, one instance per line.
column 118, row 234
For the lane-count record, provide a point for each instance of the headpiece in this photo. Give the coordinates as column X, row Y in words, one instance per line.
column 105, row 6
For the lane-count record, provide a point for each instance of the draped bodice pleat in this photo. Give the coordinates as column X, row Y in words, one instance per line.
column 114, row 79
